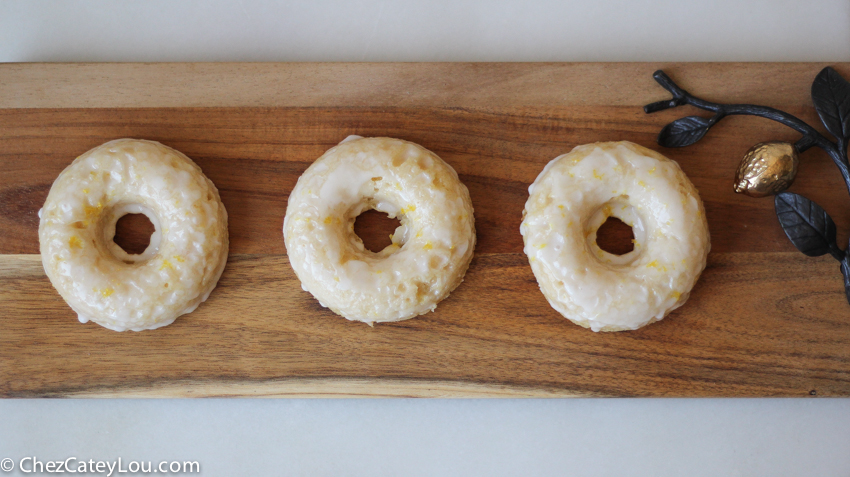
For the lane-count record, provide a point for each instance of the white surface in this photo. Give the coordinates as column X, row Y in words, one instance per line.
column 444, row 30
column 580, row 437
column 652, row 437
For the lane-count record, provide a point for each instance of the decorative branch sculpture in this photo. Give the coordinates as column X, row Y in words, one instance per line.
column 769, row 168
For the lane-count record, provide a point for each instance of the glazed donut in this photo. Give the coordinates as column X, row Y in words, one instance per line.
column 97, row 278
column 430, row 250
column 574, row 195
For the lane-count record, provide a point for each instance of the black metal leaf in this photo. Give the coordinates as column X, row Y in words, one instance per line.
column 831, row 95
column 845, row 270
column 806, row 224
column 683, row 132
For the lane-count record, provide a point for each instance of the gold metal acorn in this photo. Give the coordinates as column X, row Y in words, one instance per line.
column 767, row 168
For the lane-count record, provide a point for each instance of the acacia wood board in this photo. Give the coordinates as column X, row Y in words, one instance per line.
column 763, row 320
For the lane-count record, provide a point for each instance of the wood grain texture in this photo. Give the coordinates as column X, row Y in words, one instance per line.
column 763, row 320
column 486, row 86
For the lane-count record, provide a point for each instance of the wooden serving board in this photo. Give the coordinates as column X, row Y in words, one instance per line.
column 764, row 320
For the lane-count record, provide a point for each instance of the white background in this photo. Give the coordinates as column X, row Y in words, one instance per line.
column 652, row 437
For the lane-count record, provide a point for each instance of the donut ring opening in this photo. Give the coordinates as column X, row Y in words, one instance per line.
column 133, row 233
column 384, row 205
column 615, row 237
column 618, row 207
column 375, row 229
column 117, row 251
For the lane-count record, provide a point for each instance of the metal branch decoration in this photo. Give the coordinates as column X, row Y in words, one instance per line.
column 769, row 168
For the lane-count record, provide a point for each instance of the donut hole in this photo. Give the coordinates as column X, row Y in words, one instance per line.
column 615, row 237
column 374, row 229
column 133, row 233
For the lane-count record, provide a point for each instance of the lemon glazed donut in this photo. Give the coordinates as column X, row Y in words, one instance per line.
column 97, row 278
column 430, row 250
column 574, row 195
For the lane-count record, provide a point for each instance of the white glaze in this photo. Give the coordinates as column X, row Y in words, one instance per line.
column 430, row 250
column 98, row 279
column 574, row 195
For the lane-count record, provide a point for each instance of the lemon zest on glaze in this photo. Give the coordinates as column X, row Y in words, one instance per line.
column 92, row 211
column 75, row 242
